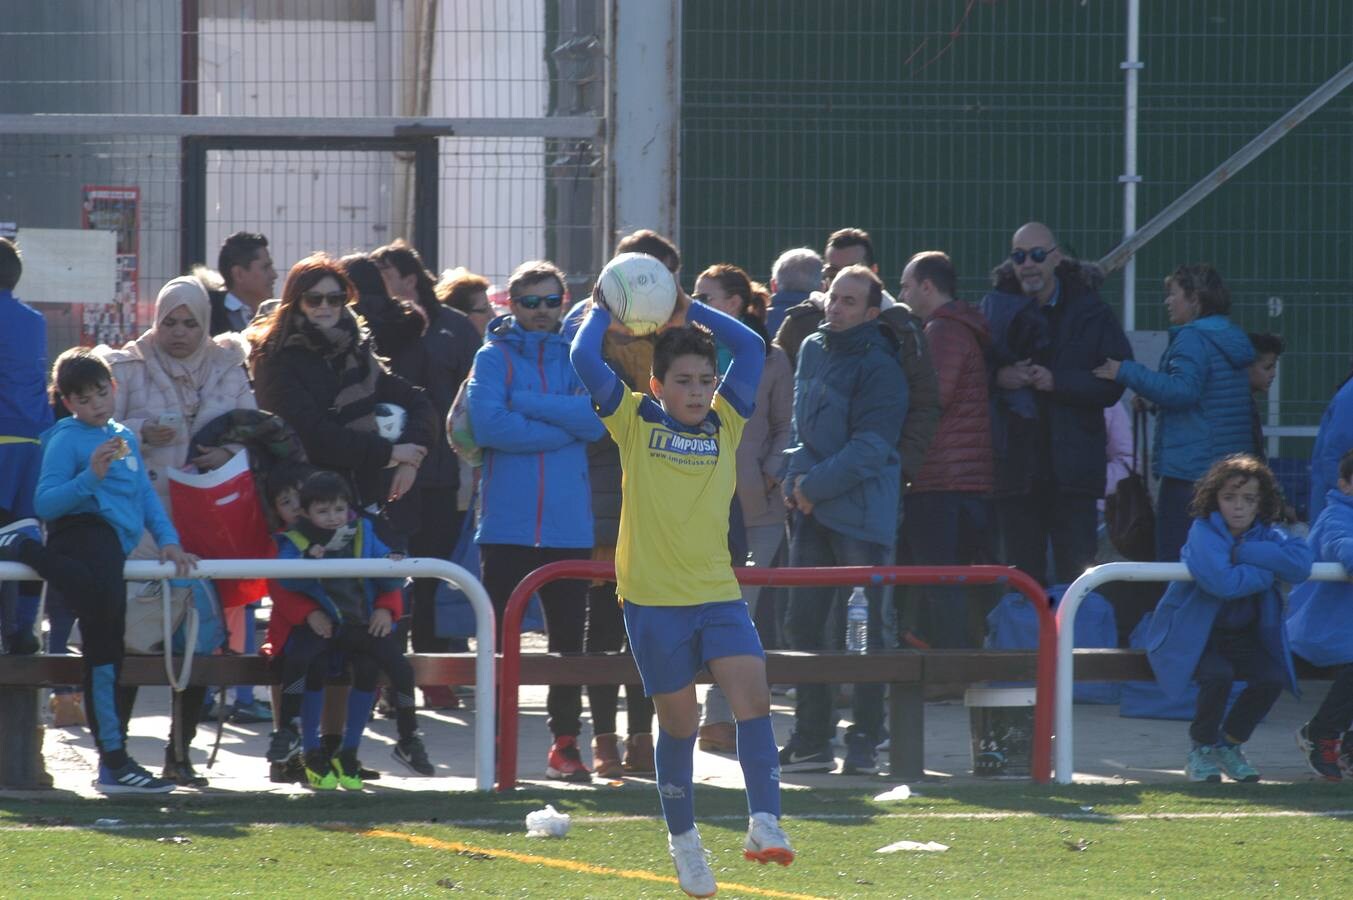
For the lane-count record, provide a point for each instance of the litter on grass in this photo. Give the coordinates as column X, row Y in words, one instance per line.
column 547, row 822
column 901, row 792
column 927, row 847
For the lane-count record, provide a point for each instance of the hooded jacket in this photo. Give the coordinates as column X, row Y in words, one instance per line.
column 1332, row 441
column 1224, row 569
column 1320, row 626
column 959, row 458
column 123, row 498
column 534, row 420
column 850, row 398
column 1064, row 441
column 1202, row 394
column 913, row 353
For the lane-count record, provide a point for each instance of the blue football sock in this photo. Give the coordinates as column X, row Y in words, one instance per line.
column 674, row 758
column 359, row 710
column 760, row 761
column 312, row 707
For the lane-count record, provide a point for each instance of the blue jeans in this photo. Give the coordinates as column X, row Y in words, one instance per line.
column 946, row 528
column 1234, row 655
column 807, row 619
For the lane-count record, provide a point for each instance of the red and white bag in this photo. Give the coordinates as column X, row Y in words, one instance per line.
column 219, row 515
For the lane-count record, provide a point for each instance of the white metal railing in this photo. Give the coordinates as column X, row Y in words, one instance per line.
column 418, row 567
column 1066, row 630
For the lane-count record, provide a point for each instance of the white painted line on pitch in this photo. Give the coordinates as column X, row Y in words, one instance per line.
column 821, row 817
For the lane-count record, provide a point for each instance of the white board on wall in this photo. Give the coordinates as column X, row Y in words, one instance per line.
column 67, row 265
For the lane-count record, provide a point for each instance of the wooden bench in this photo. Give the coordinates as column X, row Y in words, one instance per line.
column 906, row 672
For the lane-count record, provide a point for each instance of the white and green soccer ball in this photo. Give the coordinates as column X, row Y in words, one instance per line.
column 638, row 290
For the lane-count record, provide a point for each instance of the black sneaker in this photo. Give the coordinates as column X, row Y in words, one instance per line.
column 796, row 757
column 284, row 745
column 413, row 754
column 130, row 778
column 13, row 535
column 861, row 758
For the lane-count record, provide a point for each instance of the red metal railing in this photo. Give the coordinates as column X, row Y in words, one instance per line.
column 509, row 674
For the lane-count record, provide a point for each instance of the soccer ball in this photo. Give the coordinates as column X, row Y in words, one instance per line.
column 390, row 421
column 638, row 290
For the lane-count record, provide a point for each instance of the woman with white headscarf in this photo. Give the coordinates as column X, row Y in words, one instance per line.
column 171, row 381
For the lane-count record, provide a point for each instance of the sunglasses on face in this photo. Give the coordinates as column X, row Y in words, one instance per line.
column 315, row 299
column 1037, row 254
column 533, row 301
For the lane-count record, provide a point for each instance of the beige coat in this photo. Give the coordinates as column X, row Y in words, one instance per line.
column 145, row 391
column 764, row 440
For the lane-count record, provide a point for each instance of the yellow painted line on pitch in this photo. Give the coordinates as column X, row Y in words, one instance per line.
column 567, row 864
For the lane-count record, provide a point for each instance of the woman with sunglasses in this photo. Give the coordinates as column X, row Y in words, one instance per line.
column 1201, row 391
column 313, row 365
column 760, row 457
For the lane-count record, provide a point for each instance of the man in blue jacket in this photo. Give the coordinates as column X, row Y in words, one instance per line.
column 795, row 275
column 842, row 484
column 25, row 413
column 1049, row 329
column 534, row 419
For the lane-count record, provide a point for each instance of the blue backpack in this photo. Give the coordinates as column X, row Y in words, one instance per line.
column 211, row 628
column 1013, row 625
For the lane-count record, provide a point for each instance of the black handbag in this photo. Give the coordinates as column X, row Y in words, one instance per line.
column 1127, row 511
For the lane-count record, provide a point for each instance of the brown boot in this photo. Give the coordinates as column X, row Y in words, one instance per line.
column 639, row 754
column 606, row 756
column 719, row 737
column 68, row 710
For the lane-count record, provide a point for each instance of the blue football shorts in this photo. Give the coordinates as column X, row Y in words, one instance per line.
column 671, row 644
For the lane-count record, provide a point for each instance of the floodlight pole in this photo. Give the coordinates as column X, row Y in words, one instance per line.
column 1132, row 67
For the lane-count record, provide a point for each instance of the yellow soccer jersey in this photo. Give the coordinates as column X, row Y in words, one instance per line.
column 677, row 491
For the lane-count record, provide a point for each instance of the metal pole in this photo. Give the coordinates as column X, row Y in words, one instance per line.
column 1220, row 175
column 1132, row 67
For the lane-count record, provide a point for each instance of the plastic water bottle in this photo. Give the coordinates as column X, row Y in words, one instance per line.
column 857, row 622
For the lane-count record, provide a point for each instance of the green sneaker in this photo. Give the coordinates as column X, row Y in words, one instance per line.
column 1202, row 765
column 348, row 769
column 1234, row 763
column 319, row 771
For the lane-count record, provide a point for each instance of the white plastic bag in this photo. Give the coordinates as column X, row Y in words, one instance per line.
column 547, row 822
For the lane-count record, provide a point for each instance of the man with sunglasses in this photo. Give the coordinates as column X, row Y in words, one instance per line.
column 1050, row 329
column 534, row 419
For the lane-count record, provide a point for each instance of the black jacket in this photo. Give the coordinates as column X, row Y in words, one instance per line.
column 300, row 385
column 1064, row 443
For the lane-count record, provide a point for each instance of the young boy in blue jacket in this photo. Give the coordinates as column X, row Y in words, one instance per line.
column 351, row 616
column 96, row 499
column 1320, row 628
column 682, row 605
column 1227, row 624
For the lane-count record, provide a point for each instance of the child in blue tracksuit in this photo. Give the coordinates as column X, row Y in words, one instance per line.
column 1321, row 630
column 95, row 496
column 1227, row 625
column 25, row 413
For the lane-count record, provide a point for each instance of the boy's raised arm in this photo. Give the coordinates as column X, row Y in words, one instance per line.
column 585, row 354
column 749, row 355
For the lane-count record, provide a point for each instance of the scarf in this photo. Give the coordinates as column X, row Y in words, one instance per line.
column 348, row 352
column 188, row 375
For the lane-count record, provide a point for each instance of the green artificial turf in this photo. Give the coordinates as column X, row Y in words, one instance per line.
column 1004, row 839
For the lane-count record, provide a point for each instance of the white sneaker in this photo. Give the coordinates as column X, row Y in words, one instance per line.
column 766, row 841
column 693, row 873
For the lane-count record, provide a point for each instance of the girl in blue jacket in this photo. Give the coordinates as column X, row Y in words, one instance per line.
column 1227, row 625
column 1321, row 631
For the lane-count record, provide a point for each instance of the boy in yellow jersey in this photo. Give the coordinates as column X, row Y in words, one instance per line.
column 682, row 605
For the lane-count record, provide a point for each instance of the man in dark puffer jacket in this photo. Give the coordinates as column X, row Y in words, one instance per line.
column 1049, row 330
